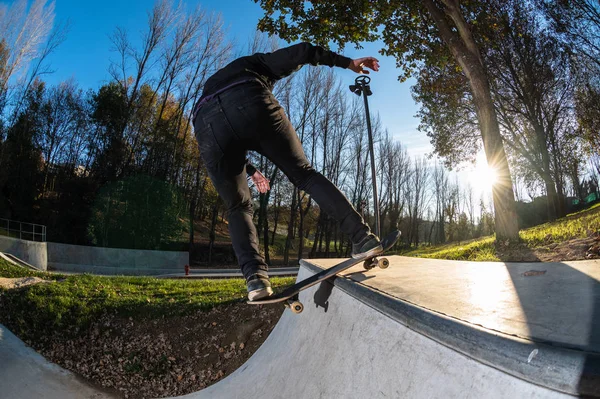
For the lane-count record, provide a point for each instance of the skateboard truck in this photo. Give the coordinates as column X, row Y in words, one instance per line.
column 294, row 304
column 382, row 263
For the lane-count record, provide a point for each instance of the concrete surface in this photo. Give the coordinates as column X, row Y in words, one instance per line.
column 114, row 261
column 94, row 260
column 229, row 273
column 426, row 329
column 32, row 252
column 26, row 374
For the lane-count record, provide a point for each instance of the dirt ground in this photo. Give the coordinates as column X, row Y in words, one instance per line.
column 8, row 283
column 166, row 357
column 576, row 249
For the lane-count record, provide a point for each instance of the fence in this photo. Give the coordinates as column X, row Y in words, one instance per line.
column 22, row 230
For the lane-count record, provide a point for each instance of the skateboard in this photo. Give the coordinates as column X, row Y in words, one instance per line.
column 290, row 295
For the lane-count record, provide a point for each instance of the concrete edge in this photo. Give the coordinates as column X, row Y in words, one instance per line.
column 227, row 273
column 106, row 270
column 18, row 262
column 570, row 371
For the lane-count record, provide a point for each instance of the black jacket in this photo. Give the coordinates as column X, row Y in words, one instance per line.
column 268, row 68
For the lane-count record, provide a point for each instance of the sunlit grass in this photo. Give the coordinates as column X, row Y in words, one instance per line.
column 479, row 250
column 577, row 225
column 73, row 301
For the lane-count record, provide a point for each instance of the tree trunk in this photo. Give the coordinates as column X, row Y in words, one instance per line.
column 552, row 205
column 465, row 51
column 213, row 226
column 327, row 237
column 275, row 222
column 301, row 233
column 266, row 238
column 317, row 235
column 288, row 241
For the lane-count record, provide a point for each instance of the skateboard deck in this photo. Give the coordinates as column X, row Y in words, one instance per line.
column 291, row 293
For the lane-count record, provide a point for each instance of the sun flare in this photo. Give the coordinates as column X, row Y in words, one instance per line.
column 482, row 177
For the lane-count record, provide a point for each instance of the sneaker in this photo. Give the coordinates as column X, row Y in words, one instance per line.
column 258, row 286
column 368, row 246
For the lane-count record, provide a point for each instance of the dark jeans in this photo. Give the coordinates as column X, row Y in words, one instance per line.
column 248, row 117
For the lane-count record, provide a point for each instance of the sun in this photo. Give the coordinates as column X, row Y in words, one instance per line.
column 482, row 177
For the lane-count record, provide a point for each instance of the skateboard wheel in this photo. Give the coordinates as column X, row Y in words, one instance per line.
column 384, row 263
column 296, row 307
column 369, row 264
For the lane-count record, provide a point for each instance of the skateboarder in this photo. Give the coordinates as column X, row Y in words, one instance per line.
column 237, row 112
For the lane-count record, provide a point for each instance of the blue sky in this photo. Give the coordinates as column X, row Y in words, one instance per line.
column 86, row 53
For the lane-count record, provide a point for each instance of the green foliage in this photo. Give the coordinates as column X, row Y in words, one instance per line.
column 479, row 250
column 138, row 212
column 532, row 213
column 404, row 26
column 577, row 225
column 110, row 115
column 9, row 270
column 21, row 160
column 69, row 305
column 588, row 115
column 339, row 21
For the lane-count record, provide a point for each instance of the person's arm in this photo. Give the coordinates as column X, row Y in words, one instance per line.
column 259, row 180
column 287, row 60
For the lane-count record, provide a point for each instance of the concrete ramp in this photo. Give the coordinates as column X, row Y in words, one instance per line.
column 364, row 337
column 25, row 374
column 429, row 329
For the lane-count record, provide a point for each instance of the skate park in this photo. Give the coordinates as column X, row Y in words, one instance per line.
column 128, row 132
column 421, row 328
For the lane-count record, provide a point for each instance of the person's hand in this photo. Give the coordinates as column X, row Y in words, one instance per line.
column 359, row 64
column 261, row 182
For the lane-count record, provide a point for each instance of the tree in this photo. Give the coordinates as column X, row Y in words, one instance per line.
column 108, row 145
column 577, row 23
column 533, row 91
column 414, row 32
column 440, row 191
column 138, row 212
column 63, row 125
column 588, row 115
column 24, row 33
column 20, row 174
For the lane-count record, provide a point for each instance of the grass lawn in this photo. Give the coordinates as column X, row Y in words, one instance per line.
column 69, row 303
column 574, row 226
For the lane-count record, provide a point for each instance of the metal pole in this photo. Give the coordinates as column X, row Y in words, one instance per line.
column 362, row 86
column 373, row 170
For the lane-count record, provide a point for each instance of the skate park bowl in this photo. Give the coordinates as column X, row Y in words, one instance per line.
column 419, row 329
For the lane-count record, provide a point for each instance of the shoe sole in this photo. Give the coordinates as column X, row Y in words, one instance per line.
column 259, row 294
column 369, row 253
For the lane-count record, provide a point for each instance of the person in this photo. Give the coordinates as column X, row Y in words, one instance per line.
column 237, row 113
